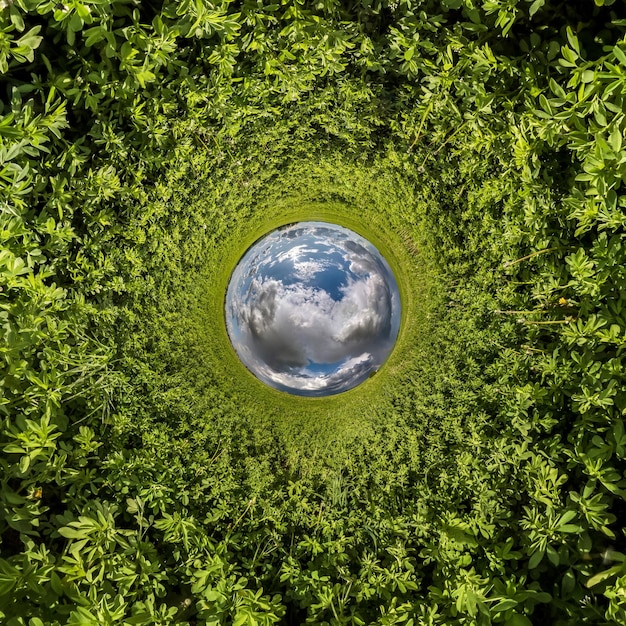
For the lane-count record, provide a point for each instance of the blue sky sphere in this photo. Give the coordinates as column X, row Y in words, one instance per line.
column 313, row 309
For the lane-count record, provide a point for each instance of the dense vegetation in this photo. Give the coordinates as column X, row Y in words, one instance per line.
column 147, row 478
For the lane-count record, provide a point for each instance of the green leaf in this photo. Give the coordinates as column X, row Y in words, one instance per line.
column 16, row 18
column 573, row 40
column 568, row 516
column 535, row 559
column 570, row 528
column 556, row 89
column 73, row 533
column 588, row 76
column 76, row 23
column 569, row 55
column 619, row 55
column 504, row 605
column 8, row 578
column 24, row 464
column 535, row 6
column 94, row 35
column 602, row 576
column 615, row 139
column 56, row 584
column 568, row 583
column 515, row 619
column 545, row 104
column 553, row 555
column 31, row 39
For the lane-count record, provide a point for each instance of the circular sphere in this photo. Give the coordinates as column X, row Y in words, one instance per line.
column 312, row 309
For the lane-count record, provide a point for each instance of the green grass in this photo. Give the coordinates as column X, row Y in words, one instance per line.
column 367, row 207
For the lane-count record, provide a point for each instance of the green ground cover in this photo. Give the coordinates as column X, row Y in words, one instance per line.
column 146, row 477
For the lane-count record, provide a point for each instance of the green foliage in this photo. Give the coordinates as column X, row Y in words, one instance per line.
column 147, row 478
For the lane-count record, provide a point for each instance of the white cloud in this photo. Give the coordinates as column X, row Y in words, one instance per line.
column 296, row 324
column 345, row 376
